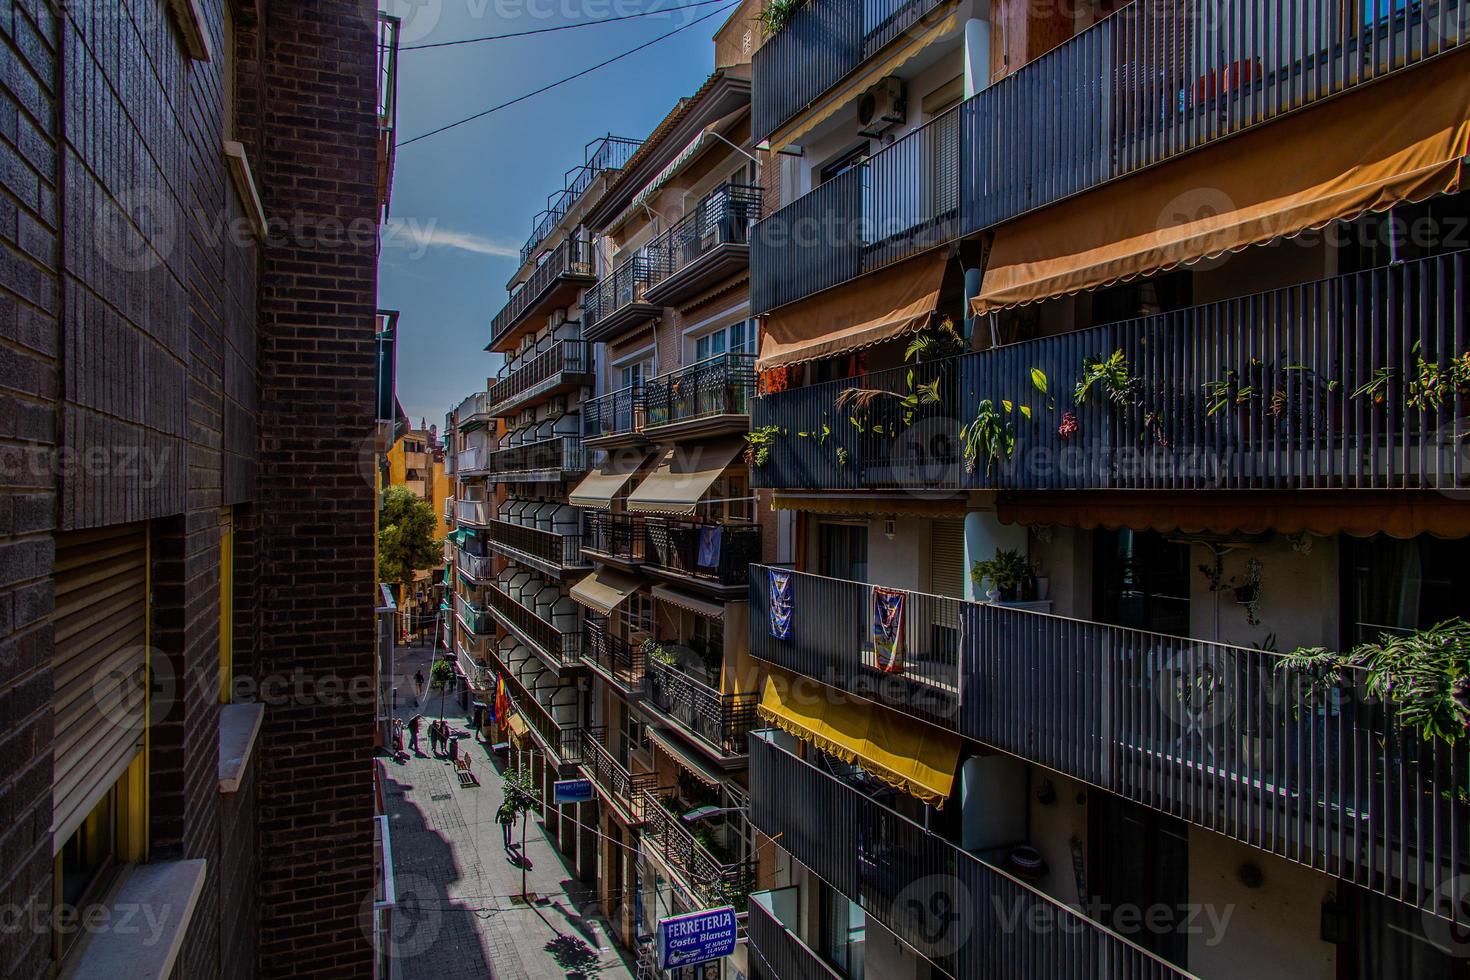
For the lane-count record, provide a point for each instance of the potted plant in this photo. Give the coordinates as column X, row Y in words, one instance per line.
column 1005, row 572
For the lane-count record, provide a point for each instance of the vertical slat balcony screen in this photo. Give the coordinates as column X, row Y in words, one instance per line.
column 1217, row 735
column 777, row 954
column 1305, row 387
column 99, row 666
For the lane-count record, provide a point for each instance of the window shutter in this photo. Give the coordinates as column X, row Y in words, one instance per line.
column 99, row 666
column 947, row 558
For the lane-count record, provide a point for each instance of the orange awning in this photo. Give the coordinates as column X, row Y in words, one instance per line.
column 1320, row 512
column 864, row 312
column 1401, row 140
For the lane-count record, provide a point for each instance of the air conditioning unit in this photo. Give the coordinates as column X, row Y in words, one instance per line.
column 882, row 107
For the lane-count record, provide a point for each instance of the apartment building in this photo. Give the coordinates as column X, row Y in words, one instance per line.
column 416, row 460
column 1110, row 353
column 187, row 518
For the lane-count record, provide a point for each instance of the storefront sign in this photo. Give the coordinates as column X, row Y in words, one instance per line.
column 696, row 937
column 572, row 791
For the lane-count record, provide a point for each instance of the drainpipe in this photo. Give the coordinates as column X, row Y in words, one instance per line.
column 977, row 77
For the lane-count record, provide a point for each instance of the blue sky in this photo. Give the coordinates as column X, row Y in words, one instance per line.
column 463, row 200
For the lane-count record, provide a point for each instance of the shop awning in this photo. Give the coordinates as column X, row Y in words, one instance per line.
column 1321, row 512
column 604, row 590
column 908, row 755
column 682, row 476
column 600, row 486
column 862, row 313
column 459, row 536
column 1400, row 140
column 687, row 760
column 684, row 600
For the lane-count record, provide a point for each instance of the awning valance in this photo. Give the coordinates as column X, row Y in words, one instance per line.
column 687, row 760
column 862, row 313
column 1320, row 512
column 600, row 486
column 604, row 590
column 1400, row 140
column 908, row 755
column 682, row 476
column 684, row 600
column 939, row 505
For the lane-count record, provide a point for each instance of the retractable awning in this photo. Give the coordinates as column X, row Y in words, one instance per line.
column 682, row 476
column 859, row 314
column 906, row 754
column 604, row 590
column 600, row 486
column 1402, row 140
column 702, row 607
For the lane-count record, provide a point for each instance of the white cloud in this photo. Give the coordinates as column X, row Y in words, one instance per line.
column 419, row 237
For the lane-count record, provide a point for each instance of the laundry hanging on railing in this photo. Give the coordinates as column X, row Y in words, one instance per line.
column 709, row 547
column 781, row 607
column 888, row 607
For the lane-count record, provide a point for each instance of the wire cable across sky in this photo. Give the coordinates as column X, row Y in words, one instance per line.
column 560, row 27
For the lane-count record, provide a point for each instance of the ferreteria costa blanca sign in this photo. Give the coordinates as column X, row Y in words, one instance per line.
column 696, row 937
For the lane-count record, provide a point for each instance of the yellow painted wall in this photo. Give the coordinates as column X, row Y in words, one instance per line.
column 440, row 489
column 397, row 465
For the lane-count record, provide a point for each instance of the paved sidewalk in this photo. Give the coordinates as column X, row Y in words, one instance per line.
column 455, row 919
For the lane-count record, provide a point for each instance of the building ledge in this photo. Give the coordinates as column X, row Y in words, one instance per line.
column 239, row 726
column 160, row 900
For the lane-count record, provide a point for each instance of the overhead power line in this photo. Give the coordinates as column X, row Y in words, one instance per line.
column 560, row 27
column 569, row 78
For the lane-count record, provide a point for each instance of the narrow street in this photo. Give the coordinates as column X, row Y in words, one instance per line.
column 455, row 918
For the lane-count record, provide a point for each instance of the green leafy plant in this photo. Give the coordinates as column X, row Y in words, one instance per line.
column 406, row 542
column 776, row 15
column 935, row 343
column 521, row 795
column 1041, row 383
column 441, row 674
column 1432, row 385
column 842, row 457
column 1111, row 375
column 656, row 651
column 990, row 435
column 1005, row 572
column 930, row 345
column 758, row 443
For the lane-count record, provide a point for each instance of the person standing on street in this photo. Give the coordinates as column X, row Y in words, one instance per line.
column 506, row 817
column 418, row 686
column 413, row 733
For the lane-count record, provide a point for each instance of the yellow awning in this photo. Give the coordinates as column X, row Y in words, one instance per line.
column 682, row 477
column 600, row 486
column 604, row 590
column 868, row 311
column 906, row 754
column 1402, row 139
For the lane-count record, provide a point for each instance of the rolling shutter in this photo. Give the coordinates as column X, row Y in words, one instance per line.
column 99, row 666
column 947, row 558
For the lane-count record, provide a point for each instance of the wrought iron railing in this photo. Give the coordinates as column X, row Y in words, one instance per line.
column 616, row 656
column 923, row 888
column 542, row 372
column 718, row 553
column 564, row 741
column 557, row 454
column 712, row 880
column 560, row 647
column 1214, row 734
column 719, row 385
column 560, row 550
column 621, row 536
column 621, row 287
column 721, row 720
column 1147, row 84
column 723, row 217
column 1302, row 387
column 624, row 789
column 573, row 257
column 607, row 153
column 616, row 413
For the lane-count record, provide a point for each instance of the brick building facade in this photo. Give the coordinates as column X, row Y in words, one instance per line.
column 189, row 200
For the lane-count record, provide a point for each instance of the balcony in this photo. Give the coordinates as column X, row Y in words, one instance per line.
column 709, row 879
column 903, row 875
column 475, row 513
column 1143, row 86
column 714, row 556
column 824, row 42
column 602, row 155
column 776, row 951
column 555, row 283
column 546, row 551
column 620, row 302
column 718, row 721
column 448, row 510
column 473, row 412
column 475, row 621
column 546, row 461
column 1266, row 391
column 566, row 366
column 389, row 31
column 562, row 743
column 470, row 461
column 614, row 419
column 559, row 649
column 708, row 398
column 476, row 568
column 418, row 488
column 618, row 661
column 705, row 247
column 624, row 791
column 1213, row 734
column 618, row 538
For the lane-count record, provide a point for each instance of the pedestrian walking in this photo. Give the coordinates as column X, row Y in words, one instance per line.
column 413, row 733
column 506, row 817
column 418, row 686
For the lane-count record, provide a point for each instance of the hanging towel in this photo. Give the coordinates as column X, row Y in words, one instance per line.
column 780, row 603
column 709, row 547
column 888, row 628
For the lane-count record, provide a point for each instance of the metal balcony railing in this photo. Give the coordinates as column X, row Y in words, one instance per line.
column 564, row 741
column 721, row 385
column 562, row 648
column 616, row 656
column 475, row 512
column 710, row 879
column 558, row 550
column 573, row 257
column 607, row 153
column 1278, row 390
column 717, row 553
column 473, row 409
column 477, row 621
column 622, row 536
column 721, row 720
column 616, row 413
column 622, row 287
column 914, row 882
column 541, row 373
column 479, row 568
column 777, row 952
column 1214, row 734
column 471, row 460
column 622, row 788
column 389, row 33
column 559, row 454
column 722, row 217
column 1147, row 84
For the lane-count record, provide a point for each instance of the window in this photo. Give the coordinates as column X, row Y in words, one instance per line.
column 849, row 161
column 707, row 639
column 737, row 338
column 114, row 832
column 1143, row 582
column 844, row 928
column 636, row 373
column 227, row 72
column 1394, row 586
column 842, row 551
column 636, row 614
column 226, row 606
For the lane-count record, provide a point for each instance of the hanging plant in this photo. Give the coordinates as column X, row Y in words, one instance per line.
column 1068, row 428
column 776, row 15
column 990, row 435
column 758, row 443
column 935, row 344
column 1248, row 593
column 1111, row 375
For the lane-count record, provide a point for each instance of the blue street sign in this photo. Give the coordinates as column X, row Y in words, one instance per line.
column 572, row 791
column 696, row 937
